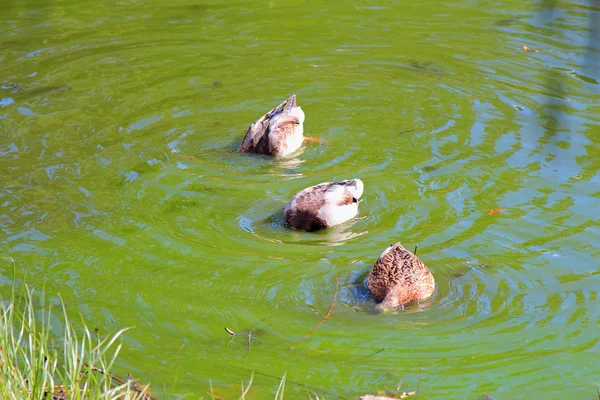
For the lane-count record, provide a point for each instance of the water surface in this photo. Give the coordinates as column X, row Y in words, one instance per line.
column 122, row 189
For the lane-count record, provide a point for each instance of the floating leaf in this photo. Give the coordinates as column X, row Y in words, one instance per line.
column 495, row 210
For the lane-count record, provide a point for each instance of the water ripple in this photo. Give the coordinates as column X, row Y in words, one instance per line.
column 124, row 189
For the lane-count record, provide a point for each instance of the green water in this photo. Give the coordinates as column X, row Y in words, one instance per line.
column 122, row 189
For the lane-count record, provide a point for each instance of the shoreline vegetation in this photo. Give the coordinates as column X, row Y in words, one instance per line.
column 35, row 364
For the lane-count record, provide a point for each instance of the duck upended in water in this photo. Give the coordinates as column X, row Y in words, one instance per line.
column 278, row 132
column 324, row 205
column 400, row 277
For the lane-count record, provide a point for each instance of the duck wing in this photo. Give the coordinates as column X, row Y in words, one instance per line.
column 256, row 132
column 277, row 121
column 278, row 131
column 301, row 211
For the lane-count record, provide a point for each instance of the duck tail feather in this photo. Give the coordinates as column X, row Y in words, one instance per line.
column 290, row 103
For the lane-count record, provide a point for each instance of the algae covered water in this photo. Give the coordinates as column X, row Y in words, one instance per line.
column 123, row 191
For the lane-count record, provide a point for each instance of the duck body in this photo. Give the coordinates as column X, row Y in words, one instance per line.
column 277, row 133
column 323, row 205
column 400, row 277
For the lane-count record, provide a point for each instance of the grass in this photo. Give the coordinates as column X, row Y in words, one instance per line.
column 34, row 364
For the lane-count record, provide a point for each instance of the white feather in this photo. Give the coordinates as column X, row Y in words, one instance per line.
column 294, row 141
column 298, row 113
column 333, row 214
column 357, row 188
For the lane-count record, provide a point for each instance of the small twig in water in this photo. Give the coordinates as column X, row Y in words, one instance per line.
column 120, row 381
column 337, row 286
column 232, row 333
column 249, row 339
column 377, row 352
column 212, row 394
column 229, row 341
column 114, row 378
column 415, row 252
column 399, row 385
column 135, row 384
column 192, row 158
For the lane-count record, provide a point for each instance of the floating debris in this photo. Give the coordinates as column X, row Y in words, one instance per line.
column 232, row 333
column 495, row 210
column 529, row 49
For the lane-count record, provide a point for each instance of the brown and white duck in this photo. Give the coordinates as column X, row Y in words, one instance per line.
column 324, row 205
column 277, row 133
column 400, row 277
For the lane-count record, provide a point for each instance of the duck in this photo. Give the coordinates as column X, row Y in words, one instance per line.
column 324, row 205
column 399, row 277
column 277, row 133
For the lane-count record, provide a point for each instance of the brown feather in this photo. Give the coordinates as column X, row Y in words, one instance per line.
column 304, row 220
column 287, row 120
column 347, row 198
column 400, row 277
column 304, row 215
column 313, row 199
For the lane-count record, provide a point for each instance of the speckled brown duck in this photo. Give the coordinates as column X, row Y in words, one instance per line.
column 323, row 205
column 277, row 133
column 400, row 277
